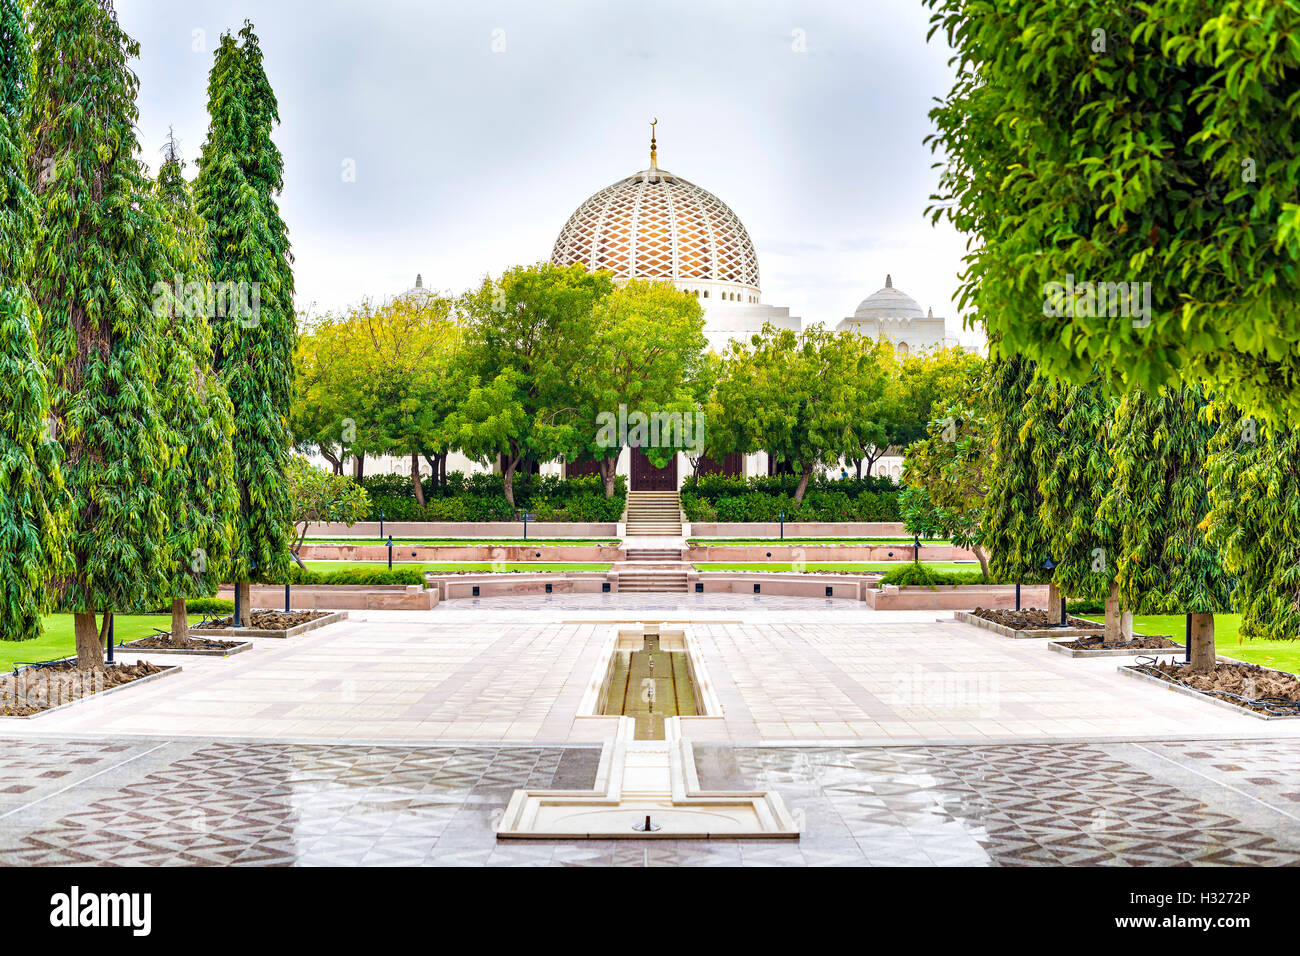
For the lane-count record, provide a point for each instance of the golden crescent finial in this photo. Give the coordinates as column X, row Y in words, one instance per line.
column 654, row 153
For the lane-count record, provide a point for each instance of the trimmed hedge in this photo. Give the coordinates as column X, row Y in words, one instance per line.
column 918, row 575
column 358, row 576
column 481, row 497
column 763, row 498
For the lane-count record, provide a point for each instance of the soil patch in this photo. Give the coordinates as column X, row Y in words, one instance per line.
column 1247, row 685
column 163, row 642
column 1033, row 619
column 267, row 620
column 1137, row 644
column 34, row 689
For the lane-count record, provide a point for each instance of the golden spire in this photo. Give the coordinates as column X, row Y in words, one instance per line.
column 654, row 153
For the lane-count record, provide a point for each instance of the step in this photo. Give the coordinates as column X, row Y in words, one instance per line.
column 654, row 554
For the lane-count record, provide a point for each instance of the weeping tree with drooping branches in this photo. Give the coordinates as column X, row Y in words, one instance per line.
column 33, row 516
column 1161, row 502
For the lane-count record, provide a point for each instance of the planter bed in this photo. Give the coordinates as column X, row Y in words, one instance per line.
column 1075, row 626
column 68, row 686
column 780, row 551
column 515, row 553
column 1276, row 695
column 1140, row 645
column 466, row 529
column 199, row 646
column 270, row 624
column 343, row 597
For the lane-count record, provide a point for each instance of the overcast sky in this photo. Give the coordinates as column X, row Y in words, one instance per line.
column 475, row 129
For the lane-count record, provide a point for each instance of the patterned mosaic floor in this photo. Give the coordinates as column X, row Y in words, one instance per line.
column 219, row 803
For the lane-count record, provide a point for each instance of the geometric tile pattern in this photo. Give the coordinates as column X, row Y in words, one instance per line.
column 268, row 804
column 659, row 226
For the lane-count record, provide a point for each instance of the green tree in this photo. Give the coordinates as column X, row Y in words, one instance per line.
column 1017, row 543
column 1161, row 502
column 33, row 521
column 1254, row 518
column 321, row 496
column 199, row 488
column 647, row 348
column 526, row 338
column 1155, row 144
column 1068, row 428
column 946, row 473
column 240, row 173
column 101, row 339
column 792, row 394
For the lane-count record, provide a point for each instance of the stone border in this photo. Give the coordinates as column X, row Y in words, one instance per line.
column 1060, row 648
column 198, row 652
column 230, row 632
column 165, row 672
column 966, row 617
column 1128, row 671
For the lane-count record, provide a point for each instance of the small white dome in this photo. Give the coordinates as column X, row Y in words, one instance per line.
column 889, row 303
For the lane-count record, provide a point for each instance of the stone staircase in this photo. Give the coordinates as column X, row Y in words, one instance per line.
column 647, row 579
column 654, row 513
column 654, row 554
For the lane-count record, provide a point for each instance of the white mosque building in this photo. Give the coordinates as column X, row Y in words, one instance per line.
column 656, row 225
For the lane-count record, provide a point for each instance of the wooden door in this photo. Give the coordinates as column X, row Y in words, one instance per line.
column 646, row 477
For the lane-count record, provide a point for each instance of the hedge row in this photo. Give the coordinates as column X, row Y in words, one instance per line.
column 481, row 497
column 367, row 576
column 717, row 498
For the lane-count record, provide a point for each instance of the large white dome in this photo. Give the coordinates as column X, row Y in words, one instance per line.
column 654, row 225
column 888, row 303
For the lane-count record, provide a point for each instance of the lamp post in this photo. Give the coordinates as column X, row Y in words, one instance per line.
column 781, row 515
column 110, row 636
column 381, row 522
column 390, row 552
column 1187, row 642
column 527, row 516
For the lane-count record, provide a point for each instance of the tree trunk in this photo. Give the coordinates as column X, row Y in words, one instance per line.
column 1053, row 600
column 508, row 479
column 608, row 471
column 1202, row 644
column 1113, row 630
column 245, row 600
column 415, row 479
column 180, row 623
column 335, row 462
column 358, row 466
column 442, row 469
column 90, row 648
column 982, row 556
column 857, row 465
column 1126, row 625
column 803, row 481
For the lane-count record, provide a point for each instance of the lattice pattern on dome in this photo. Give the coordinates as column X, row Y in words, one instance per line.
column 655, row 225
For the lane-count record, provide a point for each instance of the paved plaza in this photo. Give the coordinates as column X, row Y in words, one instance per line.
column 893, row 738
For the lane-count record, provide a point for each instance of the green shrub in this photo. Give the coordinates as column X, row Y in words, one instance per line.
column 208, row 605
column 357, row 576
column 919, row 575
column 764, row 498
column 481, row 497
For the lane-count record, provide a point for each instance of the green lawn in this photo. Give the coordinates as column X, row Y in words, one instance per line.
column 1281, row 655
column 835, row 566
column 446, row 567
column 470, row 542
column 753, row 542
column 58, row 640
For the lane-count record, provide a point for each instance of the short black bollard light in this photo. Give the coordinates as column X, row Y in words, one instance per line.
column 1017, row 595
column 110, row 637
column 235, row 621
column 390, row 552
column 1187, row 647
column 781, row 515
column 286, row 599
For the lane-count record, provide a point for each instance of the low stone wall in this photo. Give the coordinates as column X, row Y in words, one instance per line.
column 334, row 597
column 448, row 586
column 816, row 552
column 585, row 554
column 798, row 529
column 850, row 587
column 949, row 597
column 464, row 529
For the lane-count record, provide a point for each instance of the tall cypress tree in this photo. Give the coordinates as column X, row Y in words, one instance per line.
column 1161, row 500
column 31, row 486
column 1018, row 544
column 240, row 173
column 100, row 336
column 200, row 489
